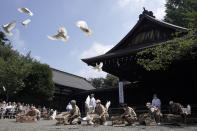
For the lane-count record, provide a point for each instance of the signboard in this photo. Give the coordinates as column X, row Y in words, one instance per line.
column 121, row 93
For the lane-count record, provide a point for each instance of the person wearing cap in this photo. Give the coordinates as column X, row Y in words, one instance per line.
column 4, row 105
column 176, row 108
column 101, row 111
column 38, row 114
column 30, row 116
column 129, row 114
column 74, row 115
column 177, row 113
column 153, row 113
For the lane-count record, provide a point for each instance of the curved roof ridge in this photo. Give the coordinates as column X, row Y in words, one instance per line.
column 145, row 16
column 165, row 23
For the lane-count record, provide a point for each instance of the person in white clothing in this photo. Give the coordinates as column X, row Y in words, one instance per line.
column 156, row 101
column 69, row 107
column 92, row 104
column 92, row 101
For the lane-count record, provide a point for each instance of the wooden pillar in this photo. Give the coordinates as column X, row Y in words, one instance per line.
column 121, row 92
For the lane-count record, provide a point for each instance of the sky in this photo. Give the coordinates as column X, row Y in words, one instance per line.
column 110, row 21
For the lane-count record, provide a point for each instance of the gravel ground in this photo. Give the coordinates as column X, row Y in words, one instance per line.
column 49, row 125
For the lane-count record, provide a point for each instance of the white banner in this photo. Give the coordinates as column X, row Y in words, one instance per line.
column 121, row 92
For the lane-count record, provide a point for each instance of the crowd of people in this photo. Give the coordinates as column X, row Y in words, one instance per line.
column 18, row 110
column 97, row 113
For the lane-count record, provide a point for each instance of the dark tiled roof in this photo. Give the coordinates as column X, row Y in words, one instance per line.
column 154, row 20
column 115, row 52
column 70, row 80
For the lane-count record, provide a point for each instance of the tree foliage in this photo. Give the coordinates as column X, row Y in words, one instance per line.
column 178, row 12
column 39, row 84
column 161, row 56
column 109, row 81
column 15, row 71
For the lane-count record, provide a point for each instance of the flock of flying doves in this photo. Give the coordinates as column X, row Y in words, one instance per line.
column 62, row 32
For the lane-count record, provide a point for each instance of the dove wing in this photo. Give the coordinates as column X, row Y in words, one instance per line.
column 96, row 67
column 21, row 10
column 54, row 115
column 26, row 22
column 87, row 100
column 101, row 65
column 11, row 25
column 108, row 105
column 82, row 24
column 29, row 12
column 4, row 88
column 65, row 38
column 55, row 37
column 25, row 10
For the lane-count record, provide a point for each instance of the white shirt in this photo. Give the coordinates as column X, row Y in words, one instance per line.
column 92, row 102
column 4, row 106
column 69, row 107
column 156, row 102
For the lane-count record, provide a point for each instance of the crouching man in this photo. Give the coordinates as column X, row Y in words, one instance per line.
column 154, row 113
column 177, row 114
column 31, row 116
column 129, row 115
column 73, row 117
column 101, row 114
column 152, row 117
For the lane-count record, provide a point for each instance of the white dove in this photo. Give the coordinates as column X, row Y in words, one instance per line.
column 98, row 67
column 25, row 10
column 8, row 27
column 107, row 105
column 84, row 27
column 87, row 102
column 53, row 115
column 4, row 88
column 62, row 33
column 24, row 23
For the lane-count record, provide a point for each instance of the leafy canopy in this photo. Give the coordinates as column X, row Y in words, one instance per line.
column 25, row 79
column 178, row 12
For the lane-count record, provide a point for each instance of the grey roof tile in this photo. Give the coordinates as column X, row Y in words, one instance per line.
column 70, row 80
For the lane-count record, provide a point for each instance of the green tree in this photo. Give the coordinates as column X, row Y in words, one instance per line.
column 97, row 82
column 108, row 81
column 39, row 86
column 180, row 12
column 25, row 79
column 111, row 81
column 162, row 56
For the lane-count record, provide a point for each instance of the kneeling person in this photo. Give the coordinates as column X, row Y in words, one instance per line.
column 101, row 111
column 74, row 115
column 154, row 115
column 31, row 116
column 129, row 114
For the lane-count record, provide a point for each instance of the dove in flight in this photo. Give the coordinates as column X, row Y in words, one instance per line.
column 4, row 88
column 25, row 22
column 84, row 27
column 98, row 67
column 25, row 10
column 87, row 102
column 107, row 105
column 62, row 33
column 8, row 27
